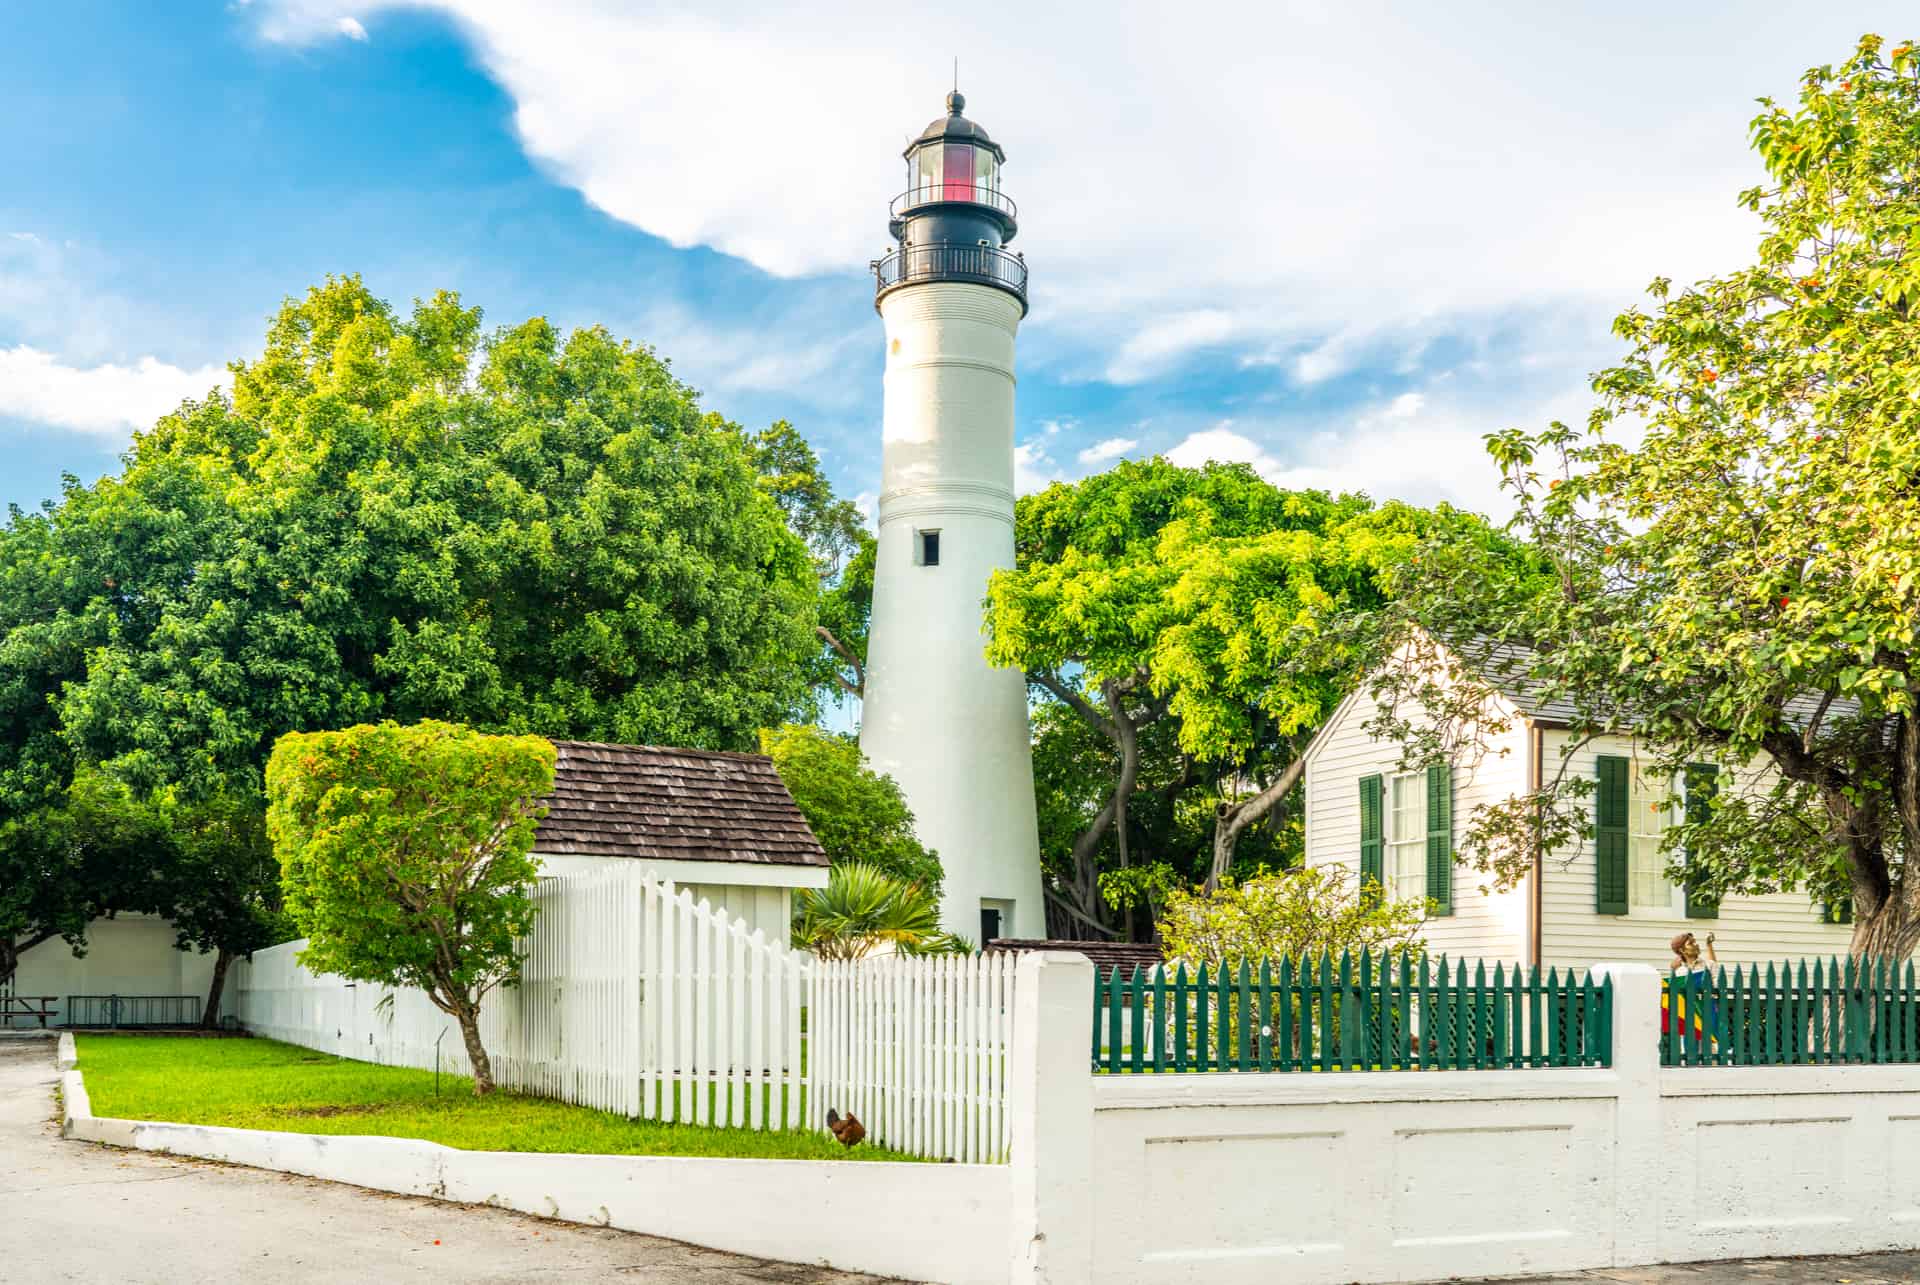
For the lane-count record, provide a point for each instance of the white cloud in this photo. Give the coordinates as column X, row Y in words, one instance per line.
column 1160, row 345
column 1405, row 406
column 1277, row 169
column 740, row 359
column 351, row 29
column 1222, row 445
column 1111, row 449
column 107, row 400
column 1033, row 469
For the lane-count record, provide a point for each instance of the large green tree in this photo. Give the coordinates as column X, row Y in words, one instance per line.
column 392, row 516
column 1194, row 598
column 406, row 857
column 1741, row 584
column 398, row 515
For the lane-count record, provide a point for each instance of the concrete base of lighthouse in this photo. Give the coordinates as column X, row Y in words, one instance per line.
column 948, row 727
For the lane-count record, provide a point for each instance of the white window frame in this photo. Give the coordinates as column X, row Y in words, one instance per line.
column 1652, row 806
column 1404, row 856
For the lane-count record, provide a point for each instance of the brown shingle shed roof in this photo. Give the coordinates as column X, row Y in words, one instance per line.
column 656, row 804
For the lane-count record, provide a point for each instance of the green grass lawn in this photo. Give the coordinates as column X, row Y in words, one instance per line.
column 263, row 1084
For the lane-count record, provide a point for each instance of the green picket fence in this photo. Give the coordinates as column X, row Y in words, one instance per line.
column 1396, row 1013
column 1822, row 1012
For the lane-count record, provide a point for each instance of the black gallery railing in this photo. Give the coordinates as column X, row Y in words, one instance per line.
column 985, row 265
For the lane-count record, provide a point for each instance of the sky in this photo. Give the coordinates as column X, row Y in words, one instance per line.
column 1338, row 241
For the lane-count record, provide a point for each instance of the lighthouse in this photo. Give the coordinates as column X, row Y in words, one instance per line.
column 951, row 729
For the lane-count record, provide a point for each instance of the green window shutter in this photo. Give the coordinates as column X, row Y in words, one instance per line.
column 1610, row 836
column 1440, row 836
column 1373, row 846
column 1703, row 782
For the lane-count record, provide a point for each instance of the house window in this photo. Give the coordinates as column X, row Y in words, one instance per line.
column 926, row 548
column 1406, row 863
column 1648, row 803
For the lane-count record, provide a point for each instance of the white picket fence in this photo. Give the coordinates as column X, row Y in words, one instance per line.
column 917, row 1050
column 633, row 998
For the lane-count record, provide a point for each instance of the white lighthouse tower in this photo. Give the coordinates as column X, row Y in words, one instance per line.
column 949, row 728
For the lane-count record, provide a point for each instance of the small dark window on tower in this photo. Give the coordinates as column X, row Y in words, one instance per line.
column 929, row 549
column 989, row 924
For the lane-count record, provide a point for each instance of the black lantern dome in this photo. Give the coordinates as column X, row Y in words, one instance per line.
column 953, row 221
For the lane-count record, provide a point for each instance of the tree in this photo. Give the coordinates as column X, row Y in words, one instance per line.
column 392, row 516
column 1154, row 593
column 398, row 517
column 862, row 909
column 97, row 851
column 1306, row 912
column 843, row 552
column 223, row 885
column 1743, row 585
column 858, row 814
column 405, row 857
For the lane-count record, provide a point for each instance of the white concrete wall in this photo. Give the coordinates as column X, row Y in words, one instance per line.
column 1486, row 923
column 1779, row 926
column 950, row 729
column 126, row 955
column 1418, row 1176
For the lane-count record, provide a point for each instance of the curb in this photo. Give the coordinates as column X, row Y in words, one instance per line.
column 829, row 1213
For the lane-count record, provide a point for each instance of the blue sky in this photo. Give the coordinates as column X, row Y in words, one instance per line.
column 1337, row 241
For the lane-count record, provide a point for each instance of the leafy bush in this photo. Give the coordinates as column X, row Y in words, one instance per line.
column 404, row 856
column 858, row 814
column 1307, row 911
column 863, row 908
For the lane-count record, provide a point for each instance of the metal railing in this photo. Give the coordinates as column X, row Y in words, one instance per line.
column 985, row 265
column 126, row 1011
column 1395, row 1013
column 957, row 192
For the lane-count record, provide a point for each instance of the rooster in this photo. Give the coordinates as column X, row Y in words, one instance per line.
column 846, row 1127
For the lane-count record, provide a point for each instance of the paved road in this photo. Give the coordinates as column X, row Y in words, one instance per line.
column 72, row 1211
column 1868, row 1269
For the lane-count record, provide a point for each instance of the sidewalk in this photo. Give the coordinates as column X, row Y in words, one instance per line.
column 1867, row 1269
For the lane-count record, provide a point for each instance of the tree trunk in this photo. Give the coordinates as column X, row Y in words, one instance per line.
column 1232, row 819
column 1887, row 933
column 9, row 959
column 210, row 1018
column 468, row 1015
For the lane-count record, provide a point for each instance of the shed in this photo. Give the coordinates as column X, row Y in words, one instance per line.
column 719, row 824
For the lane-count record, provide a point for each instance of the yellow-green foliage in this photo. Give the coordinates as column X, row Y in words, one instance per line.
column 1289, row 914
column 404, row 850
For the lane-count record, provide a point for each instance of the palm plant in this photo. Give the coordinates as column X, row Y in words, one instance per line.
column 862, row 908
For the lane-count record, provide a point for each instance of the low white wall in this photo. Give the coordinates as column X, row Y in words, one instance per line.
column 1791, row 1160
column 1423, row 1175
column 1407, row 1176
column 925, row 1221
column 126, row 955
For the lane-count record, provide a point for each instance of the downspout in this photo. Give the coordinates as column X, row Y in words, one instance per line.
column 1536, row 772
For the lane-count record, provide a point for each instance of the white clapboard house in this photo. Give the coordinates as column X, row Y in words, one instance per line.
column 1609, row 898
column 721, row 825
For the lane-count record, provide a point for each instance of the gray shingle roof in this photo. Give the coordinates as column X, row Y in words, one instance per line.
column 651, row 803
column 1507, row 668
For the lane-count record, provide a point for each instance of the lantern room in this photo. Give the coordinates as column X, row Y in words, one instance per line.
column 954, row 163
column 953, row 222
